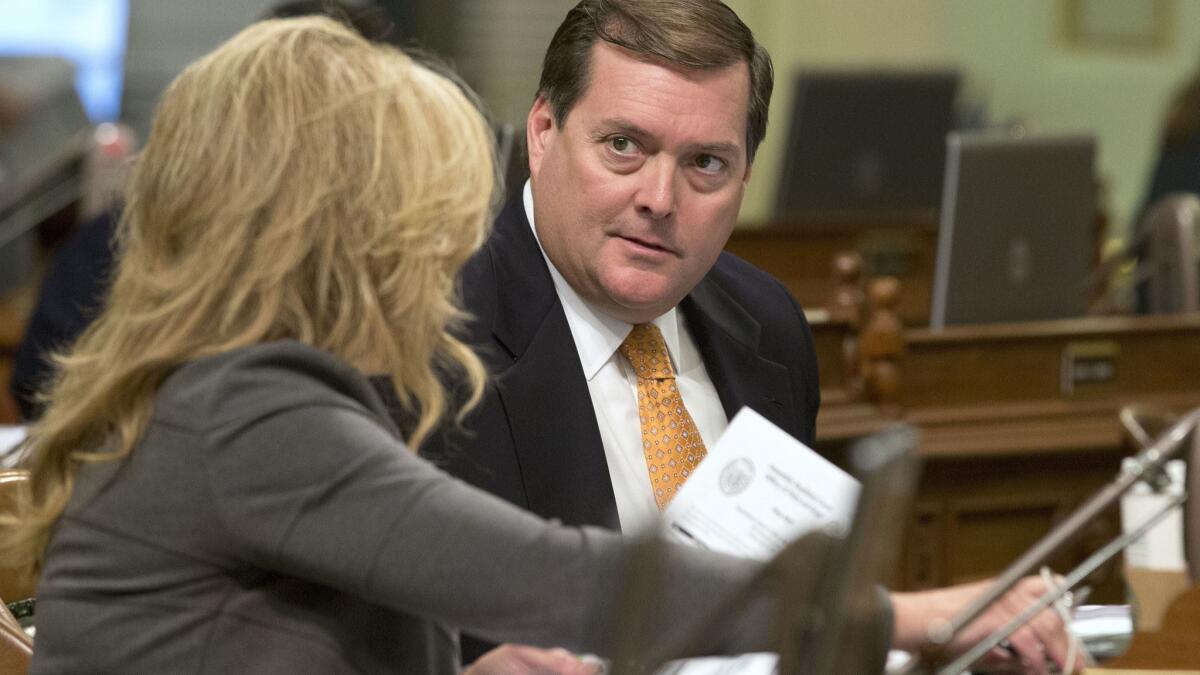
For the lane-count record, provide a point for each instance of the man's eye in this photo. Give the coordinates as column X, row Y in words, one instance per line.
column 622, row 145
column 710, row 163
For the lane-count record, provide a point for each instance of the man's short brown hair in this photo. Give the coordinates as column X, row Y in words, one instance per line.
column 687, row 34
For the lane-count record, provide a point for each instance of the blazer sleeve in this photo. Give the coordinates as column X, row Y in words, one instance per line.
column 327, row 494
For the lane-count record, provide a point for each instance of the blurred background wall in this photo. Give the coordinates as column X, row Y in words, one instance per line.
column 1020, row 60
column 1018, row 66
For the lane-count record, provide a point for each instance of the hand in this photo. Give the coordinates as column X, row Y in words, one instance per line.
column 1044, row 637
column 512, row 659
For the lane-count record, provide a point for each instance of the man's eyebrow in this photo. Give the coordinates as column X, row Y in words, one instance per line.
column 718, row 149
column 617, row 125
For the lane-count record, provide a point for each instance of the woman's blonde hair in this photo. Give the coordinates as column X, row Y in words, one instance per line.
column 299, row 183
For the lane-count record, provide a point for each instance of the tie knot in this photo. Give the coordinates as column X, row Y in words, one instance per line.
column 646, row 351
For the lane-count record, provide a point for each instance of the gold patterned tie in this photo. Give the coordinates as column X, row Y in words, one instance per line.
column 670, row 441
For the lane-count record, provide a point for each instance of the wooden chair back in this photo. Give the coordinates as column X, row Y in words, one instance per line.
column 16, row 648
column 13, row 586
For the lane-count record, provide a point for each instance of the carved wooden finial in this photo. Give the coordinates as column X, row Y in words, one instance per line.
column 885, row 295
column 848, row 265
column 881, row 345
column 846, row 303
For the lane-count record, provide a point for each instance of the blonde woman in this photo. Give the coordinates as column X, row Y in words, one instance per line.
column 216, row 485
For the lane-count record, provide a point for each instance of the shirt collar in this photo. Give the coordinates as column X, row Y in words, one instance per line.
column 597, row 335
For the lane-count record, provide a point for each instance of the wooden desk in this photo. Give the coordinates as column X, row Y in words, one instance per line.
column 1018, row 426
column 1173, row 648
column 1055, row 385
column 801, row 255
column 830, row 338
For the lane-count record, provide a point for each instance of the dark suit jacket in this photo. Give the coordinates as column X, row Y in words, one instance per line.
column 70, row 297
column 534, row 440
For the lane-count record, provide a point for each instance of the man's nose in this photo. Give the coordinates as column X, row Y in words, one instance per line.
column 656, row 193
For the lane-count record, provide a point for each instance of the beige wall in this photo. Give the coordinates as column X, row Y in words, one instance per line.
column 824, row 32
column 1015, row 63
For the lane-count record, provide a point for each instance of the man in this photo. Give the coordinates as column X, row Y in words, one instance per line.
column 640, row 145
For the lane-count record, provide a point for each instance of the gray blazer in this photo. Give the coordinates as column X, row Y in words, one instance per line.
column 270, row 521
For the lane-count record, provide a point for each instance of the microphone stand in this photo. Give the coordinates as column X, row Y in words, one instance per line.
column 1148, row 464
column 1076, row 576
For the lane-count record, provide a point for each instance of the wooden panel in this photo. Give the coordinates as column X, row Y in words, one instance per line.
column 1009, row 449
column 802, row 258
column 984, row 536
column 1022, row 362
column 923, row 554
column 975, row 517
column 829, row 337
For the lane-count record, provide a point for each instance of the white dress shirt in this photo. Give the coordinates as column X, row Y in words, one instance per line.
column 612, row 385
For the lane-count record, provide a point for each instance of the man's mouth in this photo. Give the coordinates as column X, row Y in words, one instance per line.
column 645, row 243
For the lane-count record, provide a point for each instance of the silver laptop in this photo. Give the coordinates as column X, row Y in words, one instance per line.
column 1016, row 236
column 866, row 144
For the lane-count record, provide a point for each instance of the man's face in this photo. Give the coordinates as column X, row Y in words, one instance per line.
column 636, row 194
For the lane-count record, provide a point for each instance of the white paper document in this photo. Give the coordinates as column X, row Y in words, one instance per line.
column 1162, row 547
column 757, row 490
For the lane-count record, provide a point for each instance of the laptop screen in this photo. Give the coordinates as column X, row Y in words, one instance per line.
column 1017, row 229
column 866, row 144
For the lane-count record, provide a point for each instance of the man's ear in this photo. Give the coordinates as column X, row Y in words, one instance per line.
column 540, row 130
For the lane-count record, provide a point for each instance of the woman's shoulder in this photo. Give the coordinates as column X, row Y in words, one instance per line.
column 261, row 380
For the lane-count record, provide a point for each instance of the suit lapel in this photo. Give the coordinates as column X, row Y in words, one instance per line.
column 541, row 385
column 728, row 339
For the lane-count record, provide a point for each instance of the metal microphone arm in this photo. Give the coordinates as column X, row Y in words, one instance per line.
column 1149, row 461
column 1076, row 576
